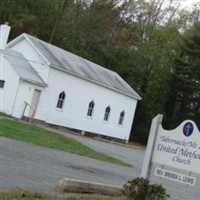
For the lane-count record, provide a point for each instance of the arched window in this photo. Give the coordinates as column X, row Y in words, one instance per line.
column 90, row 109
column 2, row 82
column 61, row 99
column 107, row 113
column 121, row 118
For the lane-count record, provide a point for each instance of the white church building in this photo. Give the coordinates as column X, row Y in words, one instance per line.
column 43, row 82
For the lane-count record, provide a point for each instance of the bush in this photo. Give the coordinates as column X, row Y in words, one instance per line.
column 141, row 189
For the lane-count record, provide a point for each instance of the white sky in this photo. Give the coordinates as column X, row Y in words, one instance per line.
column 185, row 3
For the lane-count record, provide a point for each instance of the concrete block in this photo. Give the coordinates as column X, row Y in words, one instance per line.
column 80, row 186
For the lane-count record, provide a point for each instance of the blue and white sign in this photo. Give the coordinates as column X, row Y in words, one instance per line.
column 178, row 148
column 188, row 129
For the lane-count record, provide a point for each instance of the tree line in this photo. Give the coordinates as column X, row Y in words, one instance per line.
column 154, row 45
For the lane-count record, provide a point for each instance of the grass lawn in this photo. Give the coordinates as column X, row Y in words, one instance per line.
column 29, row 133
column 26, row 195
column 4, row 115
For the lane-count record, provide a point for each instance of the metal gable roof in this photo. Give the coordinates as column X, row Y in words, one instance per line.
column 22, row 67
column 81, row 67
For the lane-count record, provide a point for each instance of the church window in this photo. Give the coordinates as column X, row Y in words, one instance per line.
column 2, row 82
column 121, row 118
column 107, row 113
column 90, row 109
column 61, row 99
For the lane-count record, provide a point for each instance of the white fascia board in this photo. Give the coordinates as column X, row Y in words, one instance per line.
column 33, row 82
column 21, row 37
column 14, row 41
column 42, row 56
column 105, row 86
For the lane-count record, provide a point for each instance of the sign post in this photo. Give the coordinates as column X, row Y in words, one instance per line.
column 149, row 149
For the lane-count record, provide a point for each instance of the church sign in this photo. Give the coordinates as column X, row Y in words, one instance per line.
column 178, row 148
column 175, row 176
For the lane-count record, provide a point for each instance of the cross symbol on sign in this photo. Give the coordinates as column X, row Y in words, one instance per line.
column 188, row 129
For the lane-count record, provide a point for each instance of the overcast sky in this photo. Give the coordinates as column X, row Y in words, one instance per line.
column 188, row 2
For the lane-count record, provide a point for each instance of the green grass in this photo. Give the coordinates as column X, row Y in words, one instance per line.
column 4, row 115
column 95, row 197
column 29, row 133
column 19, row 194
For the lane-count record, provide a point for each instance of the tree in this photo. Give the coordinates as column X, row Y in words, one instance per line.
column 25, row 16
column 139, row 39
column 185, row 84
column 157, row 47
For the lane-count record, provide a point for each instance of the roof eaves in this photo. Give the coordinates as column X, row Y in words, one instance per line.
column 35, row 48
column 34, row 82
column 14, row 41
column 21, row 37
column 119, row 91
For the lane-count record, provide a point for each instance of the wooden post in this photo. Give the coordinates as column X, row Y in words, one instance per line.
column 24, row 108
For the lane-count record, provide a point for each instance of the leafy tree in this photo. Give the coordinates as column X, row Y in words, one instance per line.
column 94, row 31
column 157, row 47
column 185, row 85
column 23, row 16
column 138, row 39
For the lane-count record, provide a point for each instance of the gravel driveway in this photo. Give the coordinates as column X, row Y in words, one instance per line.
column 38, row 168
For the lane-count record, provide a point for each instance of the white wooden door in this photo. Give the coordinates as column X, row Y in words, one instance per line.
column 34, row 102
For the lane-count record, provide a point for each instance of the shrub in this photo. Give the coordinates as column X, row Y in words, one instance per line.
column 141, row 189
